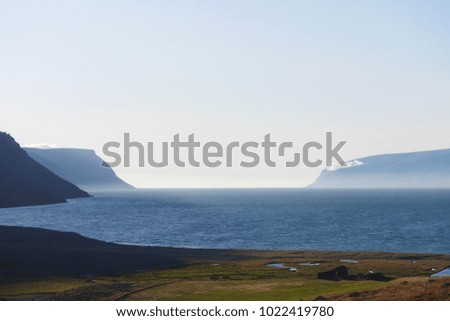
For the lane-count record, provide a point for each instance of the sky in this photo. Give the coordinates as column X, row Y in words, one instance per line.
column 82, row 73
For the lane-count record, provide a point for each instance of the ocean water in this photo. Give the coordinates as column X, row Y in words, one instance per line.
column 360, row 220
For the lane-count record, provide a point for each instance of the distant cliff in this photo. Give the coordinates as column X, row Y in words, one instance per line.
column 24, row 182
column 81, row 167
column 429, row 169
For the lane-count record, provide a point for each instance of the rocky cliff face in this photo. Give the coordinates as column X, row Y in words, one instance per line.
column 25, row 182
column 429, row 169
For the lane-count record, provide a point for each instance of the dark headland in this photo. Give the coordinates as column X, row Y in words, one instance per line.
column 25, row 182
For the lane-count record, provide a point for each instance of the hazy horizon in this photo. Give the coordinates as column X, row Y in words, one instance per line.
column 78, row 75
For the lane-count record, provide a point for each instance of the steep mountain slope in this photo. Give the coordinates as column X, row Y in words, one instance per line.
column 81, row 167
column 24, row 182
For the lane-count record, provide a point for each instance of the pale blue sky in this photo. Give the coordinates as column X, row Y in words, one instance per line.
column 81, row 73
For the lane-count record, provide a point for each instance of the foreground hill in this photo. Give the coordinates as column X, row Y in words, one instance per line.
column 81, row 167
column 24, row 182
column 33, row 251
column 429, row 169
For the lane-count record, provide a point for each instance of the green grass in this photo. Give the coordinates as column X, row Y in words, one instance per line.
column 299, row 289
column 248, row 279
column 242, row 281
column 14, row 287
column 212, row 271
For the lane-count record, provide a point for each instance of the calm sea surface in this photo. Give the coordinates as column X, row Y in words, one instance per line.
column 362, row 220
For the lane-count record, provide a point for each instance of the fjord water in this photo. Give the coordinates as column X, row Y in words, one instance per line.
column 361, row 220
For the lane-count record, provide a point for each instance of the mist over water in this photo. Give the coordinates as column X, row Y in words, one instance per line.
column 360, row 220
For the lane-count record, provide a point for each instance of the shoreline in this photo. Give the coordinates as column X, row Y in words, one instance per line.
column 187, row 248
column 40, row 264
column 25, row 238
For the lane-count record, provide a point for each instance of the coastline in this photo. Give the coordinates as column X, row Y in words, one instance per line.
column 80, row 268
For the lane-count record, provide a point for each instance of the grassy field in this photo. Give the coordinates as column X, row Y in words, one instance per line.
column 246, row 276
